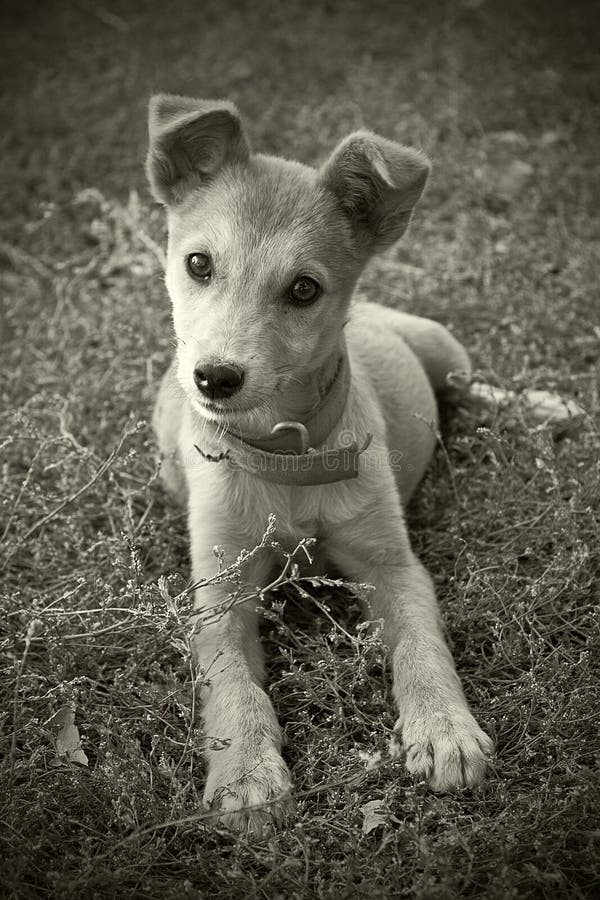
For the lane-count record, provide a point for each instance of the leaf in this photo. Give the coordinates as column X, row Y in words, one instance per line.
column 68, row 742
column 374, row 815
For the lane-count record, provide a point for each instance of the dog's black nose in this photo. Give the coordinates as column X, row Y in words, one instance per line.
column 218, row 382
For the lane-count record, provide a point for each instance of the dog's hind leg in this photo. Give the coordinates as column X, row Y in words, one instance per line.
column 440, row 354
column 444, row 359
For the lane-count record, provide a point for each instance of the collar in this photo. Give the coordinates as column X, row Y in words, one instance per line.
column 287, row 455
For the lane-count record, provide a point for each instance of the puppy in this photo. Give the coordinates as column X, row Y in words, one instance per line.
column 286, row 398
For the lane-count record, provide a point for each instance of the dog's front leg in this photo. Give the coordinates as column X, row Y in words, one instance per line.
column 247, row 778
column 442, row 741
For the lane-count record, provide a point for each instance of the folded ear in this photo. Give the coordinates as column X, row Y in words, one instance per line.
column 189, row 141
column 378, row 183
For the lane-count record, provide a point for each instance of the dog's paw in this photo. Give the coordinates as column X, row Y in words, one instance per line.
column 449, row 751
column 250, row 791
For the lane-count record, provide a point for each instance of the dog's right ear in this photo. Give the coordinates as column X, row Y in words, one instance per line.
column 189, row 141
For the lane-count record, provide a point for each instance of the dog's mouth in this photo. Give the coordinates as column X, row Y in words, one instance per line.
column 221, row 410
column 213, row 408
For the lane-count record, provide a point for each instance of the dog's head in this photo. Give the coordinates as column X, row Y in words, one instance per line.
column 264, row 253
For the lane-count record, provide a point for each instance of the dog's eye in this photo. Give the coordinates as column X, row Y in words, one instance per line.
column 199, row 266
column 305, row 290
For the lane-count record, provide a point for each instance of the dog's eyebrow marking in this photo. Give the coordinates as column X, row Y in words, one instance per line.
column 211, row 232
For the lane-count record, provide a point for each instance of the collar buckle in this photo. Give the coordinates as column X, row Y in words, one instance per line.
column 301, row 434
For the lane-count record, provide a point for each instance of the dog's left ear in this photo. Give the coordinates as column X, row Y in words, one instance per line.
column 377, row 182
column 189, row 142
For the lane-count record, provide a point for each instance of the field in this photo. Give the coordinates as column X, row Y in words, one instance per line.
column 505, row 249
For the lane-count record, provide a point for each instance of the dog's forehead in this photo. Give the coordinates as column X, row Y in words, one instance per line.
column 277, row 194
column 269, row 198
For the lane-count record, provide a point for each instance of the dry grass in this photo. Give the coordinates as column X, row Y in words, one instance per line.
column 94, row 564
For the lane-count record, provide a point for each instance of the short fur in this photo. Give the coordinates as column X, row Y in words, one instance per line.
column 264, row 221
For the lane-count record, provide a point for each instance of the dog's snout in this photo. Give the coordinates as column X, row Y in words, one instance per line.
column 218, row 381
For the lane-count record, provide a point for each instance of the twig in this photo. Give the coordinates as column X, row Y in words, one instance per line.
column 13, row 744
column 24, row 485
column 107, row 17
column 64, row 430
column 19, row 258
column 153, row 247
column 351, row 781
column 439, row 440
column 77, row 494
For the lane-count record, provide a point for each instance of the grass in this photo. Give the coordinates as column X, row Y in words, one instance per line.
column 94, row 564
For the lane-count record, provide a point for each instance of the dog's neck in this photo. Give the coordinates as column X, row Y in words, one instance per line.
column 313, row 406
column 303, row 395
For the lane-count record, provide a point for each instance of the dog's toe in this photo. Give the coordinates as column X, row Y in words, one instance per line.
column 259, row 822
column 250, row 792
column 450, row 752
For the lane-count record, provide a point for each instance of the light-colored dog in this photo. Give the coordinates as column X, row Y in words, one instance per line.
column 303, row 405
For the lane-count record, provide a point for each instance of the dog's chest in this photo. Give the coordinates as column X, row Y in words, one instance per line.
column 307, row 511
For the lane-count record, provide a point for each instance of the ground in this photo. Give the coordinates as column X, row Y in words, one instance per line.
column 505, row 97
